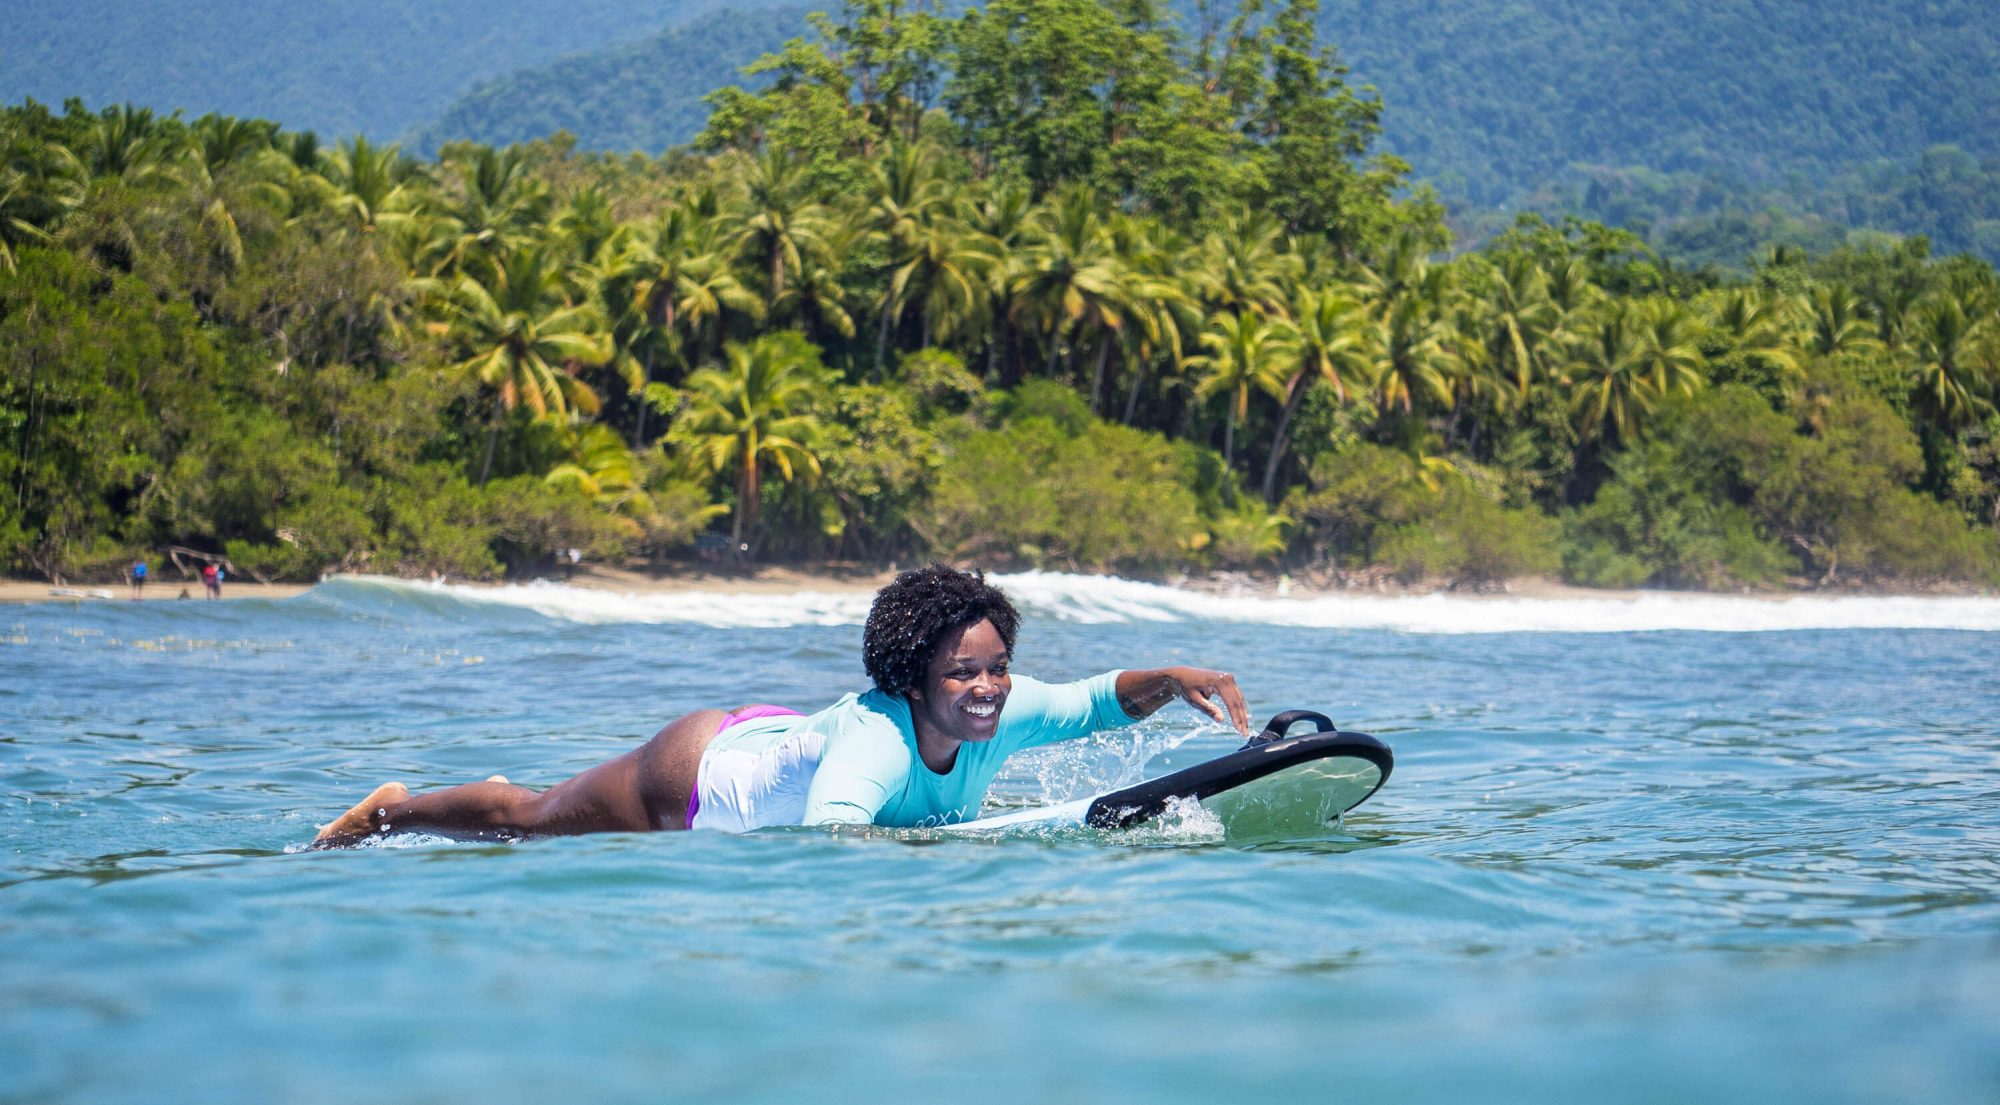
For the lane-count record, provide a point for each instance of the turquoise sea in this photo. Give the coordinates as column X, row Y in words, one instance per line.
column 1669, row 850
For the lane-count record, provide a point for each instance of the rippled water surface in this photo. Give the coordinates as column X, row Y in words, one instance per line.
column 1622, row 858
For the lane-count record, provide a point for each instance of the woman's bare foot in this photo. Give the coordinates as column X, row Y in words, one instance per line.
column 364, row 818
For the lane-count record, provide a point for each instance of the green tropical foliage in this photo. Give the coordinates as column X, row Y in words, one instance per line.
column 740, row 418
column 917, row 297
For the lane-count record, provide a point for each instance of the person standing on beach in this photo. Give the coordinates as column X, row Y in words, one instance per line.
column 138, row 579
column 211, row 582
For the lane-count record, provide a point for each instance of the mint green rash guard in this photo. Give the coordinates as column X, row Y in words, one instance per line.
column 856, row 762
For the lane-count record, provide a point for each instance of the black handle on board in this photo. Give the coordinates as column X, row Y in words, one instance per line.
column 1274, row 729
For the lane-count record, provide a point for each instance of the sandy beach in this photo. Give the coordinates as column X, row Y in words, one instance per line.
column 761, row 581
column 24, row 590
column 777, row 580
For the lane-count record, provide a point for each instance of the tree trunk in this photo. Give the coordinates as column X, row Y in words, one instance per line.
column 746, row 508
column 882, row 339
column 645, row 377
column 1010, row 355
column 25, row 448
column 1299, row 389
column 1097, row 376
column 1132, row 397
column 492, row 436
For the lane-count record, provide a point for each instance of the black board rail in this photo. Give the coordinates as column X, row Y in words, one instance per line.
column 1268, row 752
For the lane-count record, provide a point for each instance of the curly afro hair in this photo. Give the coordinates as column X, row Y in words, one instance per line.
column 912, row 617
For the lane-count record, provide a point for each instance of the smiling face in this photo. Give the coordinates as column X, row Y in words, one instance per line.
column 964, row 689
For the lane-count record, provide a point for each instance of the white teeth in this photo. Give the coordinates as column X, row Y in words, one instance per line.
column 981, row 711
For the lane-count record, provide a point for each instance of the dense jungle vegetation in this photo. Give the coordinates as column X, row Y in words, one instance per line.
column 1666, row 121
column 1047, row 283
column 1789, row 111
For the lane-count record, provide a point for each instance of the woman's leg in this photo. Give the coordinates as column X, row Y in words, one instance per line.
column 646, row 788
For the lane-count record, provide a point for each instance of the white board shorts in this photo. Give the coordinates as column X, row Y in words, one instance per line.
column 756, row 772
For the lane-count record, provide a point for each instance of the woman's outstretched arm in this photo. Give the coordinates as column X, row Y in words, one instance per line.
column 1142, row 691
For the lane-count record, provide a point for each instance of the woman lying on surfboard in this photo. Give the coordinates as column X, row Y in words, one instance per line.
column 919, row 749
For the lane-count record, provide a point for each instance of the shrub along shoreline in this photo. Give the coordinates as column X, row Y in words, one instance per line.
column 1043, row 285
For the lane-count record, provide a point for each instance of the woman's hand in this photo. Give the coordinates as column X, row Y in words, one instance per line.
column 1212, row 692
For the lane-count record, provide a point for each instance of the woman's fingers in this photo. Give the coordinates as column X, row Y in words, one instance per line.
column 1202, row 688
column 1239, row 710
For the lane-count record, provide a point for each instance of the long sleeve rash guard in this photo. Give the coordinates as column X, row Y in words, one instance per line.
column 856, row 762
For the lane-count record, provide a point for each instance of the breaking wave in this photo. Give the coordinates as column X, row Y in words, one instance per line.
column 1108, row 600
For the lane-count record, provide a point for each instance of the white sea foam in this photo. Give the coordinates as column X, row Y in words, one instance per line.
column 719, row 609
column 1097, row 600
column 1106, row 600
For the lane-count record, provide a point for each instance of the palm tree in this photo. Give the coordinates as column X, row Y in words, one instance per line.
column 1157, row 306
column 1331, row 346
column 906, row 193
column 1403, row 264
column 935, row 261
column 682, row 285
column 1570, row 287
column 301, row 148
column 39, row 186
column 220, row 141
column 1957, row 355
column 1613, row 386
column 1242, row 266
column 497, row 206
column 1894, row 307
column 1520, row 318
column 1418, row 345
column 816, row 298
column 587, row 224
column 1066, row 279
column 1244, row 352
column 1002, row 217
column 17, row 211
column 601, row 468
column 942, row 269
column 1758, row 327
column 129, row 143
column 375, row 184
column 741, row 417
column 778, row 221
column 1837, row 323
column 1667, row 349
column 225, row 176
column 524, row 337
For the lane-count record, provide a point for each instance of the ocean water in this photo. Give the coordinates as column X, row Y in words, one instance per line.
column 1676, row 849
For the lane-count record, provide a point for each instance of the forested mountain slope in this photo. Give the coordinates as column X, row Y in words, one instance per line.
column 338, row 67
column 1489, row 100
column 647, row 93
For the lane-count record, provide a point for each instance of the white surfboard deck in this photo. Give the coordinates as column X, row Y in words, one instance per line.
column 1270, row 787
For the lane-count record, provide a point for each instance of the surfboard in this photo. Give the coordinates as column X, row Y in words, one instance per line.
column 1273, row 784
